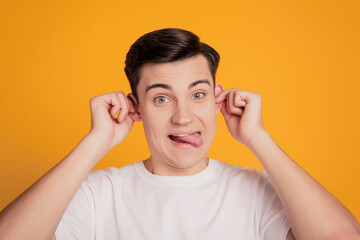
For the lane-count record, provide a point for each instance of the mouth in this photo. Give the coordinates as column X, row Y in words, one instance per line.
column 186, row 139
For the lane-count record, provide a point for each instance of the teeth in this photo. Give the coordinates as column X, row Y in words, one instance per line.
column 184, row 135
column 181, row 135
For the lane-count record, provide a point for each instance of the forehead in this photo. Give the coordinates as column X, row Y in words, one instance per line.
column 175, row 73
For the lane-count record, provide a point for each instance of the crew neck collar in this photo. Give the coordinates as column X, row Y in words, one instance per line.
column 192, row 180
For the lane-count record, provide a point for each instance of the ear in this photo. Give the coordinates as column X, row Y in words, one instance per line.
column 218, row 89
column 134, row 108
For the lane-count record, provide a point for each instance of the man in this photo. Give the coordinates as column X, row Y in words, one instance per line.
column 177, row 193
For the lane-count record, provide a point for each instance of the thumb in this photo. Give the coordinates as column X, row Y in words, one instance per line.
column 224, row 112
column 129, row 119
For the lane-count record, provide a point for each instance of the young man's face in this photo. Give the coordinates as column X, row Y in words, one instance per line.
column 178, row 110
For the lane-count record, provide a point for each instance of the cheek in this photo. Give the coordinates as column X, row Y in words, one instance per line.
column 207, row 111
column 153, row 120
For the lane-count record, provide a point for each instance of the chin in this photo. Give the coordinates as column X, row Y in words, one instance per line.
column 186, row 160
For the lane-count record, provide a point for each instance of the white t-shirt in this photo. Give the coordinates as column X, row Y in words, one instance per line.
column 220, row 202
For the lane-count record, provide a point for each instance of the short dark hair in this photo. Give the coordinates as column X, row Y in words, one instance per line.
column 163, row 46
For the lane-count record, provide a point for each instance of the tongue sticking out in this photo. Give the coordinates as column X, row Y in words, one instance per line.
column 193, row 139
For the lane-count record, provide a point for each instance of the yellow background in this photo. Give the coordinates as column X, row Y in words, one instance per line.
column 301, row 56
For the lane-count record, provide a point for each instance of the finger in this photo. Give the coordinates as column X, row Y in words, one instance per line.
column 248, row 96
column 129, row 119
column 228, row 100
column 222, row 96
column 115, row 104
column 227, row 116
column 238, row 101
column 224, row 112
column 111, row 101
column 230, row 104
column 124, row 106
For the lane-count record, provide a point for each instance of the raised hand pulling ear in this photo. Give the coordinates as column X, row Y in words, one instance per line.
column 103, row 122
column 242, row 113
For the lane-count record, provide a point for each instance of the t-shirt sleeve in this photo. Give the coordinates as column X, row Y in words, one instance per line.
column 78, row 219
column 274, row 223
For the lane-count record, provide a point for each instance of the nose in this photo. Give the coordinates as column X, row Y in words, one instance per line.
column 182, row 114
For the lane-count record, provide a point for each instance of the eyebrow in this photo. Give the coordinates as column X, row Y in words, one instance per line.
column 158, row 85
column 198, row 82
column 165, row 86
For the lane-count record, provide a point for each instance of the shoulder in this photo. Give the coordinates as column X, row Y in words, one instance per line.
column 243, row 173
column 247, row 178
column 253, row 183
column 109, row 176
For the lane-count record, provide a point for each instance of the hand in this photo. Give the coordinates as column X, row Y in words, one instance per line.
column 104, row 109
column 242, row 113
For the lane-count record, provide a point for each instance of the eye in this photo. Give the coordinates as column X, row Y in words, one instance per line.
column 160, row 99
column 199, row 95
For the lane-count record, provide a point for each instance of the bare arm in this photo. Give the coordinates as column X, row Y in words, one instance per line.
column 36, row 213
column 313, row 212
